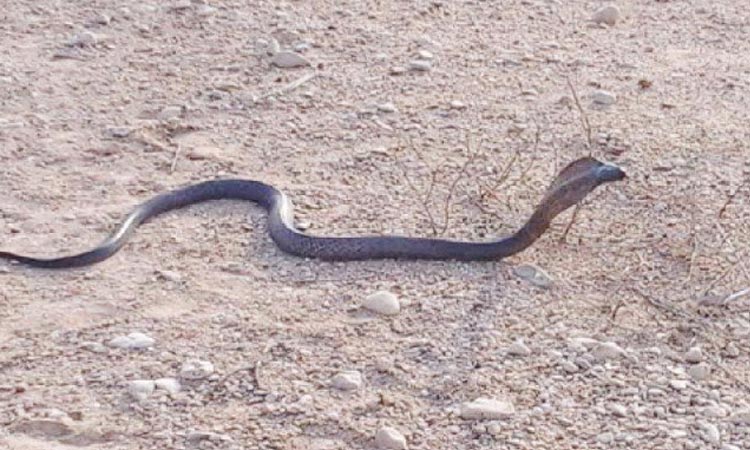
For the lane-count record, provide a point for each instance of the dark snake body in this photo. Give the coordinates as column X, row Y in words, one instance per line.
column 570, row 187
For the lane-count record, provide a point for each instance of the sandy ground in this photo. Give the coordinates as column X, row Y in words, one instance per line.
column 634, row 345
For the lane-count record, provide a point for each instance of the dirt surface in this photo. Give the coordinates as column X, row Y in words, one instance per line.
column 637, row 342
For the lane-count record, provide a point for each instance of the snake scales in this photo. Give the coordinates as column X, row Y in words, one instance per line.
column 570, row 186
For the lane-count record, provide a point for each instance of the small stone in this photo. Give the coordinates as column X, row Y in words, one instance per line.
column 424, row 54
column 196, row 369
column 605, row 438
column 118, row 132
column 604, row 98
column 141, row 389
column 617, row 409
column 133, row 341
column 387, row 108
column 732, row 350
column 195, row 438
column 390, row 438
column 609, row 15
column 568, row 366
column 456, row 104
column 420, row 65
column 288, row 60
column 171, row 385
column 93, row 347
column 699, row 372
column 729, row 447
column 83, row 39
column 169, row 112
column 398, row 70
column 518, row 348
column 349, row 380
column 710, row 432
column 382, row 302
column 694, row 355
column 678, row 385
column 607, row 350
column 533, row 275
column 487, row 408
column 102, row 19
column 205, row 10
column 741, row 417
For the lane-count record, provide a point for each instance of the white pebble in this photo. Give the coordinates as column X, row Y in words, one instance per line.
column 133, row 341
column 607, row 350
column 171, row 385
column 457, row 104
column 387, row 108
column 347, row 381
column 287, row 60
column 602, row 97
column 617, row 409
column 390, row 438
column 534, row 275
column 518, row 348
column 196, row 369
column 382, row 302
column 609, row 15
column 487, row 408
column 141, row 389
column 678, row 385
column 710, row 432
column 741, row 417
column 699, row 372
column 694, row 355
column 84, row 39
column 94, row 347
column 424, row 54
column 420, row 65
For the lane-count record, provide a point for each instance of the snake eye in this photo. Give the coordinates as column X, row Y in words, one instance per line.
column 608, row 172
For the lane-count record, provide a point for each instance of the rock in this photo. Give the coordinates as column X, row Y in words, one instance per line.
column 607, row 350
column 609, row 15
column 288, row 60
column 741, row 417
column 533, row 275
column 678, row 385
column 169, row 112
column 518, row 348
column 44, row 428
column 456, row 104
column 710, row 432
column 390, row 438
column 420, row 65
column 604, row 98
column 195, row 438
column 93, row 347
column 617, row 409
column 171, row 385
column 398, row 70
column 196, row 369
column 133, row 341
column 347, row 381
column 424, row 54
column 83, row 39
column 568, row 366
column 141, row 389
column 387, row 108
column 699, row 372
column 729, row 447
column 582, row 343
column 487, row 408
column 694, row 355
column 118, row 132
column 382, row 302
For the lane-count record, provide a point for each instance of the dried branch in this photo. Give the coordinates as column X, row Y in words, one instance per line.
column 584, row 118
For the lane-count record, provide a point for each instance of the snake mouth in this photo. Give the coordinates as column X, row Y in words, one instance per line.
column 608, row 172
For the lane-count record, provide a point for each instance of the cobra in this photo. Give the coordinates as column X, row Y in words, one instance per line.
column 570, row 187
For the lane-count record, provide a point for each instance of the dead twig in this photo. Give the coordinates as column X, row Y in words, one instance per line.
column 584, row 117
column 570, row 224
column 731, row 197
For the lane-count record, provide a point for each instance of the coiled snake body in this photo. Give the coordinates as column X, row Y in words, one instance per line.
column 571, row 185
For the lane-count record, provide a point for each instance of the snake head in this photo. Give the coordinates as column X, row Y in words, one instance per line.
column 607, row 172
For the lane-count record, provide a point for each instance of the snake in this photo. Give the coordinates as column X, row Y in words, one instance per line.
column 571, row 185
